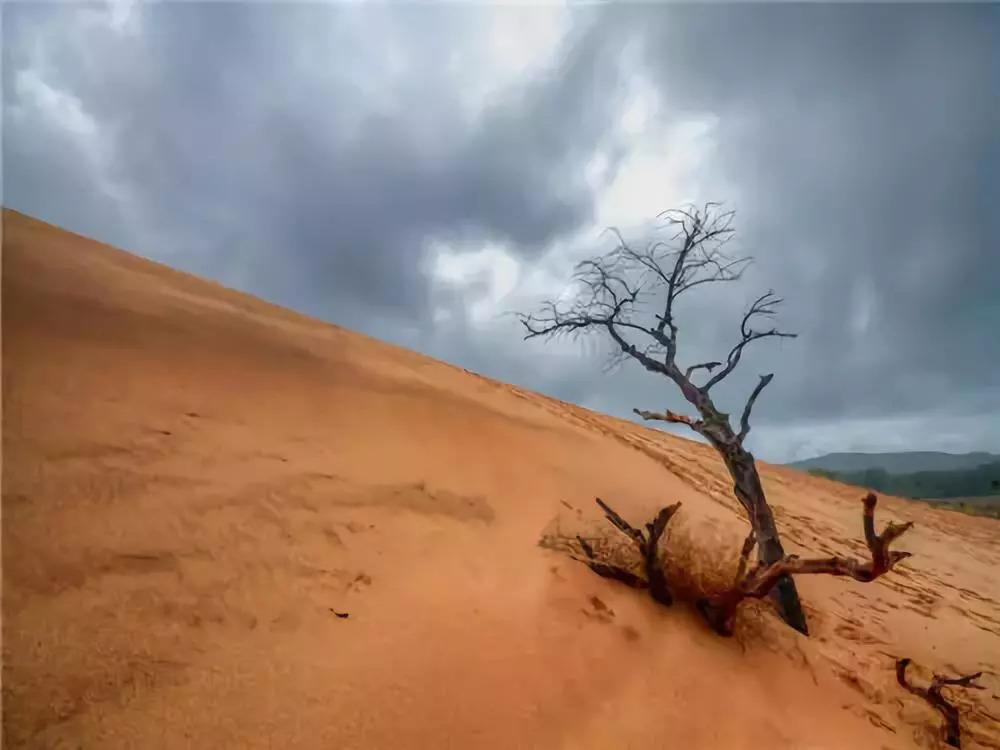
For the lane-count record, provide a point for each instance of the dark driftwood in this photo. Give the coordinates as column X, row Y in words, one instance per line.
column 932, row 694
column 614, row 288
column 648, row 544
column 719, row 610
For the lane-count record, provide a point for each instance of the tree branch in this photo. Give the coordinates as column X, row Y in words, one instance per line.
column 655, row 573
column 669, row 416
column 622, row 525
column 703, row 366
column 643, row 359
column 719, row 610
column 613, row 284
column 745, row 419
column 614, row 288
column 605, row 570
column 762, row 306
column 647, row 542
column 698, row 230
column 932, row 694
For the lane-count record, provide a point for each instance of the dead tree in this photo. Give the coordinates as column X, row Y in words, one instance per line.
column 614, row 290
column 648, row 544
column 932, row 694
column 720, row 610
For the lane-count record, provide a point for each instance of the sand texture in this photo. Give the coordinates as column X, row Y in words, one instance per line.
column 195, row 482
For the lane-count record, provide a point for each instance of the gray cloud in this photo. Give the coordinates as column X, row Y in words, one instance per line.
column 861, row 141
column 273, row 127
column 314, row 154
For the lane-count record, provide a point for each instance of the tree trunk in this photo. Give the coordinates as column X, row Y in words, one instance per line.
column 750, row 493
column 715, row 427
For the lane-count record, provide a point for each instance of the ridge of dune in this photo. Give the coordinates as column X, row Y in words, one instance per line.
column 196, row 481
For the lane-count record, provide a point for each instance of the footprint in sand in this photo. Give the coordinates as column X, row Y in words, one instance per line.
column 599, row 610
column 631, row 634
column 602, row 613
column 361, row 581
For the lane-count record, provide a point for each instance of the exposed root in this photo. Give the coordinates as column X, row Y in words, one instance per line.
column 720, row 610
column 932, row 694
column 748, row 546
column 648, row 544
column 606, row 570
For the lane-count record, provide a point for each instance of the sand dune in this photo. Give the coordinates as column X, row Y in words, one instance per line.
column 196, row 481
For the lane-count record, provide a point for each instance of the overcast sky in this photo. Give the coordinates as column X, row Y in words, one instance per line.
column 416, row 171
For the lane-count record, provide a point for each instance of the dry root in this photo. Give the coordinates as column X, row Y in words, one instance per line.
column 932, row 694
column 648, row 544
column 719, row 610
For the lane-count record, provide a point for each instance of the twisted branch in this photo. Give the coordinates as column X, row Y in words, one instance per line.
column 708, row 366
column 932, row 694
column 719, row 610
column 764, row 306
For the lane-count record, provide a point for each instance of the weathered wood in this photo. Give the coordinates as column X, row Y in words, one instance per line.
column 720, row 610
column 748, row 546
column 932, row 694
column 667, row 416
column 655, row 573
column 622, row 525
column 606, row 570
column 648, row 544
column 750, row 492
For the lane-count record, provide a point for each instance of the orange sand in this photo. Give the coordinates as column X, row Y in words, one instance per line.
column 193, row 479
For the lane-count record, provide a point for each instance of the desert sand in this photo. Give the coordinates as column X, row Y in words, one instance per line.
column 195, row 481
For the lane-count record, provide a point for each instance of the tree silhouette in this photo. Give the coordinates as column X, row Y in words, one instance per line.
column 614, row 295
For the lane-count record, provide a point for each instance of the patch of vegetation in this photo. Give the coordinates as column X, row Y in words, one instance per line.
column 988, row 507
column 979, row 481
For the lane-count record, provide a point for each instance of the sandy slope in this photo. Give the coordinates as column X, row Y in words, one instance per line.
column 193, row 479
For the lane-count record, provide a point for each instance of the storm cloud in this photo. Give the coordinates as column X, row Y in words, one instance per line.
column 414, row 172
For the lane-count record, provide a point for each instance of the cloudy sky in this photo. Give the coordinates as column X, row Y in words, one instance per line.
column 416, row 171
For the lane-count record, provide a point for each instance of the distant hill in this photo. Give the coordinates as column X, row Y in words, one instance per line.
column 982, row 480
column 896, row 463
column 973, row 506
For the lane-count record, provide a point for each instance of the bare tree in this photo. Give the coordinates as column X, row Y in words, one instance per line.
column 615, row 291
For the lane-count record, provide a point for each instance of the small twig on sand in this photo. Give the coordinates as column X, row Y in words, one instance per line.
column 932, row 694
